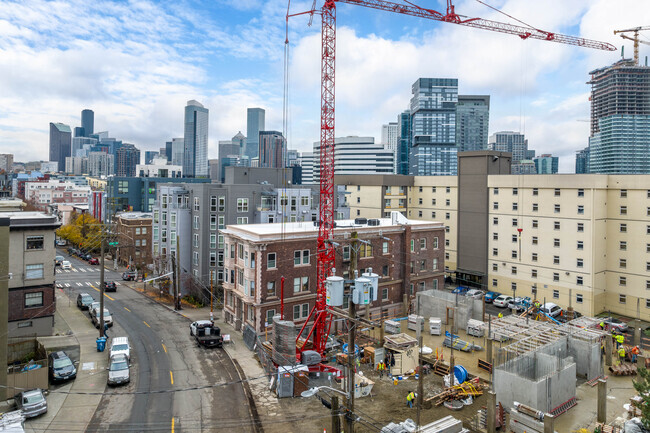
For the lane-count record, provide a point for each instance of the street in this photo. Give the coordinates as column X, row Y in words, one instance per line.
column 164, row 360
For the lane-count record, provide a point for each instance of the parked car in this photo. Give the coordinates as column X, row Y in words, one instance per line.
column 66, row 265
column 61, row 242
column 58, row 260
column 199, row 324
column 118, row 370
column 129, row 275
column 551, row 309
column 110, row 286
column 474, row 293
column 32, row 402
column 519, row 304
column 93, row 261
column 86, row 256
column 84, row 300
column 501, row 301
column 491, row 296
column 614, row 324
column 120, row 345
column 91, row 309
column 60, row 367
column 461, row 290
column 96, row 319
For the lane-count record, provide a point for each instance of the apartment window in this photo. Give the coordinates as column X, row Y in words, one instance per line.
column 513, row 270
column 358, row 199
column 557, row 192
column 622, row 299
column 195, row 258
column 556, row 276
column 495, row 267
column 556, row 242
column 581, row 227
column 242, row 205
column 534, row 240
column 495, row 236
column 346, row 252
column 513, row 286
column 197, row 204
column 580, row 263
column 581, row 192
column 384, row 294
column 420, row 189
column 447, row 215
column 533, row 273
column 495, row 283
column 137, row 244
column 34, row 243
column 300, row 284
column 384, row 271
column 433, row 201
column 213, row 259
column 423, row 265
column 433, row 214
column 213, row 241
column 34, row 299
column 534, row 257
column 622, row 281
column 423, row 243
column 515, row 191
column 242, row 220
column 384, row 247
column 647, row 284
column 495, row 205
column 435, row 264
column 412, row 267
column 623, row 210
column 647, row 305
column 579, row 298
column 535, row 207
column 433, row 189
column 123, row 188
column 34, row 272
column 622, row 245
column 556, row 225
column 495, row 251
column 622, row 228
column 301, row 257
column 580, row 245
column 196, row 222
column 579, row 280
column 365, row 251
column 647, row 211
column 412, row 245
column 622, row 263
column 514, row 238
column 222, row 222
column 556, row 294
column 647, row 248
column 514, row 254
column 495, row 191
column 195, row 240
column 535, row 191
column 296, row 312
column 623, row 193
column 448, row 189
column 270, row 288
column 447, row 202
column 557, row 208
column 213, row 222
column 495, row 221
column 435, row 243
column 515, row 206
column 270, row 261
column 647, row 266
column 515, row 222
column 556, row 260
column 535, row 224
column 647, row 230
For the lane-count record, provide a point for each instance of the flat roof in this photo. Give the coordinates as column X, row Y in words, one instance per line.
column 30, row 219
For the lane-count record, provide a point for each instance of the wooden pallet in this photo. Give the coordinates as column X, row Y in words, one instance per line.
column 593, row 382
column 441, row 369
column 623, row 370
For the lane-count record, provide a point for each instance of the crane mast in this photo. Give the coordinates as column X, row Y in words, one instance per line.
column 320, row 314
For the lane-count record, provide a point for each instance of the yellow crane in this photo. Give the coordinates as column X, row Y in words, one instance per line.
column 634, row 38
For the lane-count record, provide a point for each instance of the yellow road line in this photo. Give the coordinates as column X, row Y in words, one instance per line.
column 127, row 309
column 171, row 376
column 172, row 425
column 146, row 324
column 164, row 347
column 104, row 293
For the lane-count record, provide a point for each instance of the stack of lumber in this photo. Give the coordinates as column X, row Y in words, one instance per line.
column 608, row 429
column 522, row 423
column 458, row 392
column 623, row 370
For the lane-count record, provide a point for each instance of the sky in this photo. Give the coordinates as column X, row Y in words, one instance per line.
column 136, row 64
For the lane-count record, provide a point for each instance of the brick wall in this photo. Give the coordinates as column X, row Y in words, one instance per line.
column 17, row 309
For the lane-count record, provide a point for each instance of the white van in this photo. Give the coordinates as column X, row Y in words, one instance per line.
column 120, row 345
column 551, row 309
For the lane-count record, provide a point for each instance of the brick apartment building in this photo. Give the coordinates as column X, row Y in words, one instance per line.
column 407, row 255
column 134, row 238
column 31, row 253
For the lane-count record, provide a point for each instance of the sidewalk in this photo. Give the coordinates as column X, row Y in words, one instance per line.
column 74, row 411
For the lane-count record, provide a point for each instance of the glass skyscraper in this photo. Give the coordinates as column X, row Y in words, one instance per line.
column 255, row 121
column 472, row 121
column 433, row 127
column 403, row 143
column 619, row 141
column 60, row 143
column 195, row 159
column 88, row 122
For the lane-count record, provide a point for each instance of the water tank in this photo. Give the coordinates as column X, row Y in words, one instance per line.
column 361, row 220
column 334, row 296
column 373, row 222
column 284, row 341
column 374, row 280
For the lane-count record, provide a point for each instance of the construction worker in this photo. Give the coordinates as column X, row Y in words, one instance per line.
column 381, row 367
column 409, row 399
column 602, row 325
column 620, row 339
column 621, row 355
column 635, row 352
column 500, row 316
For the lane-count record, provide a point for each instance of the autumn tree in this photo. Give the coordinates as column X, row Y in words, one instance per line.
column 642, row 386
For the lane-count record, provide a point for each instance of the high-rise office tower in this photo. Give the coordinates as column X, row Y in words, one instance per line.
column 389, row 138
column 582, row 161
column 403, row 143
column 195, row 159
column 433, row 127
column 619, row 139
column 513, row 142
column 168, row 151
column 546, row 164
column 101, row 164
column 79, row 132
column 472, row 121
column 60, row 144
column 356, row 155
column 149, row 155
column 254, row 124
column 230, row 152
column 178, row 151
column 272, row 153
column 128, row 156
column 88, row 122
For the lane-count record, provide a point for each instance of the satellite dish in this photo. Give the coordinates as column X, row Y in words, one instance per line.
column 309, row 393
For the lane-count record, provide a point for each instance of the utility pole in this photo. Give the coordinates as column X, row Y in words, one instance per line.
column 336, row 425
column 211, row 296
column 420, row 325
column 351, row 335
column 101, row 283
column 177, row 282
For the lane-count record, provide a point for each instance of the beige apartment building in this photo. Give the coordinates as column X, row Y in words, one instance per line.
column 575, row 240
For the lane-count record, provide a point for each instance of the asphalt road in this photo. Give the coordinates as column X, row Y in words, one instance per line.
column 165, row 363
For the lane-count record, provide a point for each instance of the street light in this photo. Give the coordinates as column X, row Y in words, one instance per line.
column 313, row 391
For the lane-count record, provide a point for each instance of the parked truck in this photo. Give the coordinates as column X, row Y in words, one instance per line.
column 206, row 333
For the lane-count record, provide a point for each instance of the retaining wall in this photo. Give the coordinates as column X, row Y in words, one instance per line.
column 434, row 303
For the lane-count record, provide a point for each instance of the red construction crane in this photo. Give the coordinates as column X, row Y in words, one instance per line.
column 325, row 256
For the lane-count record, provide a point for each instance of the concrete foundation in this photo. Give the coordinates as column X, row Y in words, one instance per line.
column 538, row 380
column 436, row 303
column 586, row 356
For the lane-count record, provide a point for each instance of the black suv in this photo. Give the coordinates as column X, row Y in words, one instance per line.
column 110, row 286
column 61, row 367
column 84, row 300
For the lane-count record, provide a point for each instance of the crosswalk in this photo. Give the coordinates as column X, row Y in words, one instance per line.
column 81, row 284
column 79, row 269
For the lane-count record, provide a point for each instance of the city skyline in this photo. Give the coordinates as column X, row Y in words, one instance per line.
column 538, row 88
